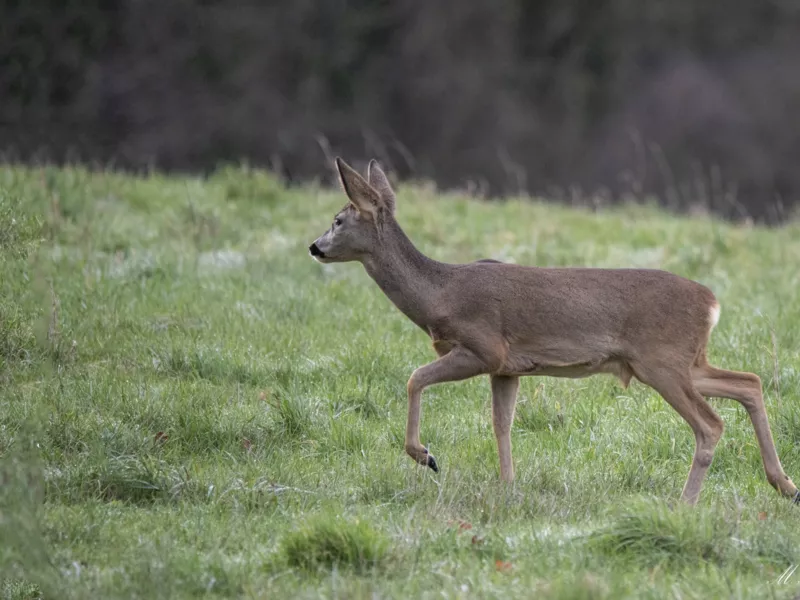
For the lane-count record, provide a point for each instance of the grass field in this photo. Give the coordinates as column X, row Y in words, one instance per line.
column 192, row 406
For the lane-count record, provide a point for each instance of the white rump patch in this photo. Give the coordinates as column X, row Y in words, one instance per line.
column 713, row 314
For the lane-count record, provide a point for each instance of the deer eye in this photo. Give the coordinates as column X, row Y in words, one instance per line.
column 337, row 222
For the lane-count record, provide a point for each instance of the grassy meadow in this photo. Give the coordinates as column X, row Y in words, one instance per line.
column 190, row 406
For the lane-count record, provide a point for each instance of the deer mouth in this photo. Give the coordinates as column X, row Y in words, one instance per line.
column 316, row 253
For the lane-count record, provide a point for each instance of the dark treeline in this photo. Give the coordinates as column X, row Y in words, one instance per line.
column 696, row 101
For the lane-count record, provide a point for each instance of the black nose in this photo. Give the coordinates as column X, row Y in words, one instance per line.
column 314, row 251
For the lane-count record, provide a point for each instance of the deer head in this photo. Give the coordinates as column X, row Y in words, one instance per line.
column 356, row 229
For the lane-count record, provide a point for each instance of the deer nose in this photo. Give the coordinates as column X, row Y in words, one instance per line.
column 313, row 250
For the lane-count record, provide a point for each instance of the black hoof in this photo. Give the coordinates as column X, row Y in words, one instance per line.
column 797, row 497
column 432, row 461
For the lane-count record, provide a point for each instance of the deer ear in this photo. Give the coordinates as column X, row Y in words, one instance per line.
column 360, row 193
column 378, row 180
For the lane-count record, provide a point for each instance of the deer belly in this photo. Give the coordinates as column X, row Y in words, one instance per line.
column 569, row 367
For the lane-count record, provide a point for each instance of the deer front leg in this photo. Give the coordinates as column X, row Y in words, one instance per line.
column 504, row 399
column 457, row 365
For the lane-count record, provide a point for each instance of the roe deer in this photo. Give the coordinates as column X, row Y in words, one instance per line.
column 508, row 321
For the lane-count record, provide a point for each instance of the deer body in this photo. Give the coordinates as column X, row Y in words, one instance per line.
column 568, row 322
column 508, row 321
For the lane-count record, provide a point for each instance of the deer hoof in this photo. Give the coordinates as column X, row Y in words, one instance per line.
column 797, row 498
column 431, row 461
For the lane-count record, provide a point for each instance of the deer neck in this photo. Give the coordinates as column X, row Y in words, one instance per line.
column 407, row 277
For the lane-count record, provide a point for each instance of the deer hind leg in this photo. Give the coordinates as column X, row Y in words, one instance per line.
column 677, row 389
column 504, row 399
column 457, row 365
column 745, row 388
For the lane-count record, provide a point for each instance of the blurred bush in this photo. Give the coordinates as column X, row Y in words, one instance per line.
column 698, row 102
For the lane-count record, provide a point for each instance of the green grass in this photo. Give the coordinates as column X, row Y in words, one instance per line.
column 191, row 406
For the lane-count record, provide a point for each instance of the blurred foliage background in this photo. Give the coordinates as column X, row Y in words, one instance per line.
column 695, row 102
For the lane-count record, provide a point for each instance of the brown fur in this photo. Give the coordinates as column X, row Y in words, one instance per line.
column 508, row 321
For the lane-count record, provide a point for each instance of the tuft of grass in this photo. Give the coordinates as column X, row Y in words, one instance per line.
column 137, row 480
column 292, row 416
column 330, row 541
column 652, row 533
